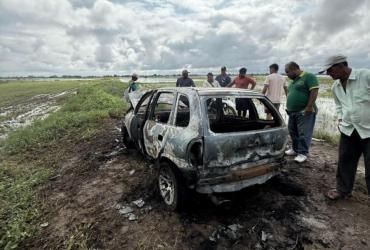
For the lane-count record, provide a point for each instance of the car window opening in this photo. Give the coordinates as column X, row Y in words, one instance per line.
column 163, row 107
column 182, row 112
column 230, row 114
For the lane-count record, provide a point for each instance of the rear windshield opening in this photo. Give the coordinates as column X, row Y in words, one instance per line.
column 230, row 114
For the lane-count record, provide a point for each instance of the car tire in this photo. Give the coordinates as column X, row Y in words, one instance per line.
column 126, row 140
column 171, row 187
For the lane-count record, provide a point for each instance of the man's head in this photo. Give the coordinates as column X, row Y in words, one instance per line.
column 274, row 68
column 242, row 72
column 185, row 73
column 223, row 70
column 210, row 77
column 292, row 70
column 134, row 77
column 336, row 66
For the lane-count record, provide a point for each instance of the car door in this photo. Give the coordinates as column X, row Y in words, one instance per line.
column 138, row 120
column 159, row 120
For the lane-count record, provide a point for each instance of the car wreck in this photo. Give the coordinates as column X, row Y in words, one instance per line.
column 200, row 143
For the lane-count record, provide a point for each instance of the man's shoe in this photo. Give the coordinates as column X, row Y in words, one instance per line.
column 300, row 158
column 290, row 152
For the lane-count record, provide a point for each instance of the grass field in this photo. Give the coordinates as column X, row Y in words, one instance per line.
column 27, row 154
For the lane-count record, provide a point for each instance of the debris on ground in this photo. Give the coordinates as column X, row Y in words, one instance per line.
column 131, row 172
column 139, row 203
column 125, row 210
column 44, row 224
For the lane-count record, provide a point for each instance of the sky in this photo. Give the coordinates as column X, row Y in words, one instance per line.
column 100, row 37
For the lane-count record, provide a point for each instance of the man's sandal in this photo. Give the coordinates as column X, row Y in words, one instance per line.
column 334, row 195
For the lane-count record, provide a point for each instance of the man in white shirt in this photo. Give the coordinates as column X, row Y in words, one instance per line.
column 274, row 85
column 210, row 82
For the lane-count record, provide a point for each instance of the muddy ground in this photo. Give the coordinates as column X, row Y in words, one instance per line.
column 94, row 180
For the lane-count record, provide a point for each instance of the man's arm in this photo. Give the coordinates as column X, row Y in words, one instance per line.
column 338, row 105
column 253, row 84
column 264, row 90
column 286, row 90
column 192, row 83
column 231, row 84
column 311, row 100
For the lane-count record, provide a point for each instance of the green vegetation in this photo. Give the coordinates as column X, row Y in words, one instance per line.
column 323, row 135
column 79, row 119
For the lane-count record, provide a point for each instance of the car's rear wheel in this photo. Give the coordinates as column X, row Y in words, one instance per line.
column 171, row 186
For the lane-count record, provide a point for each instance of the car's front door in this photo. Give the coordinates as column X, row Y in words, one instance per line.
column 138, row 120
column 159, row 120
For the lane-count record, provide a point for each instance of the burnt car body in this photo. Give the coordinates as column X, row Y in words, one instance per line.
column 200, row 143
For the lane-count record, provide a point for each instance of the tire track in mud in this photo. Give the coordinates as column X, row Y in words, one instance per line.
column 23, row 114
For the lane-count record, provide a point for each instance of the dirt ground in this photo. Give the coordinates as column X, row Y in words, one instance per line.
column 96, row 179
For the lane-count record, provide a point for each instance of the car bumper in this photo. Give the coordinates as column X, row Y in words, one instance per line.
column 239, row 179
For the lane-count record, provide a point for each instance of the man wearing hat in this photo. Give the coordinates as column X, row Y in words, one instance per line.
column 210, row 82
column 185, row 80
column 351, row 92
column 224, row 79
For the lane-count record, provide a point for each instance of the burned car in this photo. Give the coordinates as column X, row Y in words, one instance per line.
column 199, row 142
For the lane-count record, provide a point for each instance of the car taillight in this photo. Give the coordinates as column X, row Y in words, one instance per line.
column 195, row 152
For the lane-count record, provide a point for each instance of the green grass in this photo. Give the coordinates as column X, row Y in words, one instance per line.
column 323, row 135
column 80, row 118
column 18, row 206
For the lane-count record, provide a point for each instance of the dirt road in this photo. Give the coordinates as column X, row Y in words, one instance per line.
column 84, row 205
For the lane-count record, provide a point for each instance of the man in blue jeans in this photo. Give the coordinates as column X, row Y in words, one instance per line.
column 301, row 108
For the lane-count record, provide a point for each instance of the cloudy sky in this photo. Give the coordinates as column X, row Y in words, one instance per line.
column 96, row 37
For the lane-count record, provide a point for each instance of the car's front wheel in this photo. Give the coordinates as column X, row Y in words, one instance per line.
column 171, row 187
column 126, row 140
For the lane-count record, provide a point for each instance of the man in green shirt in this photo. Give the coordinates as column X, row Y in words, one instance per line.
column 301, row 108
column 133, row 83
column 351, row 91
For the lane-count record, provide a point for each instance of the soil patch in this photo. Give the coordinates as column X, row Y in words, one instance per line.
column 90, row 203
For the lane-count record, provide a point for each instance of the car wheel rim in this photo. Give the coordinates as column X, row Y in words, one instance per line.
column 166, row 188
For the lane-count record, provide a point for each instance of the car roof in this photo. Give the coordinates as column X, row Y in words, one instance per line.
column 212, row 91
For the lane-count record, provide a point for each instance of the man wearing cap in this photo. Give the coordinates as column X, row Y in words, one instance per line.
column 301, row 108
column 224, row 79
column 185, row 80
column 210, row 82
column 351, row 92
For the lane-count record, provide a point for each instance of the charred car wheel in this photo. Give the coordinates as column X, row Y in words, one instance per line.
column 125, row 137
column 170, row 186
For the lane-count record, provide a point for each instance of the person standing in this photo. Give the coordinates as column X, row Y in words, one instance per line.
column 210, row 82
column 224, row 79
column 242, row 81
column 301, row 108
column 185, row 80
column 274, row 86
column 133, row 83
column 351, row 92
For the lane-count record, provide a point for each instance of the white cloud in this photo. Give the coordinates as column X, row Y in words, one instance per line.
column 98, row 36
